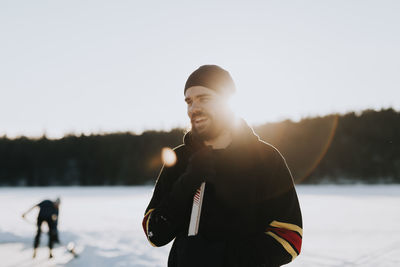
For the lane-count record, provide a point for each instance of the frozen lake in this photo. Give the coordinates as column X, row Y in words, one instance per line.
column 355, row 225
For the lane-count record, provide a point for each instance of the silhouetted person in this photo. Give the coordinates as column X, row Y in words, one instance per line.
column 250, row 215
column 48, row 213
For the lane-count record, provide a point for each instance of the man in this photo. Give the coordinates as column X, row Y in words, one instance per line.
column 48, row 212
column 250, row 214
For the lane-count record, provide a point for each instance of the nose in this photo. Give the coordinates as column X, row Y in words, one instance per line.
column 193, row 108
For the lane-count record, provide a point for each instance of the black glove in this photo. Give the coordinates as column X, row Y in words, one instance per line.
column 201, row 165
column 200, row 169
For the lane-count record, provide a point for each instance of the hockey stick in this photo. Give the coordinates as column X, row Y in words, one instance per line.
column 196, row 210
column 28, row 221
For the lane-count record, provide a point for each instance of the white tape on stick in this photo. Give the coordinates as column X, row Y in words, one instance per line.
column 196, row 210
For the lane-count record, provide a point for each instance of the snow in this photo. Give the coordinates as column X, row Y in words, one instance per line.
column 352, row 225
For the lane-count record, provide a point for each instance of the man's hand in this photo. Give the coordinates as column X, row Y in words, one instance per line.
column 201, row 164
column 200, row 169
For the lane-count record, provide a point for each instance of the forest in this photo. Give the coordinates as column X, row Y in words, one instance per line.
column 356, row 147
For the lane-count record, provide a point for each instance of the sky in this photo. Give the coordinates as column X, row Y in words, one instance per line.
column 115, row 66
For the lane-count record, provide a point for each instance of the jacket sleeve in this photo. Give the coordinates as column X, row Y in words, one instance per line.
column 157, row 225
column 281, row 239
column 165, row 215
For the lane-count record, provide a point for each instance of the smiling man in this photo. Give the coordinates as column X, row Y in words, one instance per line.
column 250, row 215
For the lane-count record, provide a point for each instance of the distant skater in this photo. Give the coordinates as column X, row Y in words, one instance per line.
column 48, row 213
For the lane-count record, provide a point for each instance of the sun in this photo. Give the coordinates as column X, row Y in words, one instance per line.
column 237, row 106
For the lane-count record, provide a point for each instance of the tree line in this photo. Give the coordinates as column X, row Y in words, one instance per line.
column 353, row 147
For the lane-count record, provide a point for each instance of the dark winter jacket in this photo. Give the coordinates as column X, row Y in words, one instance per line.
column 250, row 214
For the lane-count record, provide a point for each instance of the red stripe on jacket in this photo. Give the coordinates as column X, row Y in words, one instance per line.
column 290, row 236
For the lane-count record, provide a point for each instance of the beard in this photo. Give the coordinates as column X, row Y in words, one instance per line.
column 209, row 129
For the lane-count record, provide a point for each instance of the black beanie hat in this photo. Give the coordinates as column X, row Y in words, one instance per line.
column 212, row 77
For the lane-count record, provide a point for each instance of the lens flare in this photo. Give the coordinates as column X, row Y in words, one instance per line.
column 168, row 156
column 324, row 148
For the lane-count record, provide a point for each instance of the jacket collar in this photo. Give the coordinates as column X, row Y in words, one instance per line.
column 242, row 135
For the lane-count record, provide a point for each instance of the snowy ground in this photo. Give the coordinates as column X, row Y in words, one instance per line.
column 343, row 226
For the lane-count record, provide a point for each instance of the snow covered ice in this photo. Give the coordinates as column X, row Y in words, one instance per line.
column 352, row 225
column 103, row 222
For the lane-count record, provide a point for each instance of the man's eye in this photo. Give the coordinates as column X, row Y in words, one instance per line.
column 204, row 99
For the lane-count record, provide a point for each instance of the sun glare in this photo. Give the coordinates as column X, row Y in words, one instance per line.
column 168, row 156
column 237, row 106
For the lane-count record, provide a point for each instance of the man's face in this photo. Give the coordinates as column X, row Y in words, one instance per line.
column 207, row 111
